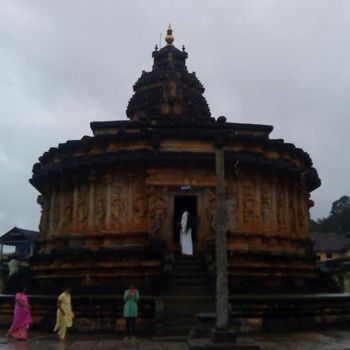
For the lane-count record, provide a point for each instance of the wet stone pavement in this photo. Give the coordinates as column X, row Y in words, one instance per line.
column 323, row 340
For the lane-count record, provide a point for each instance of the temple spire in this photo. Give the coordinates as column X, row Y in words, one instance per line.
column 169, row 38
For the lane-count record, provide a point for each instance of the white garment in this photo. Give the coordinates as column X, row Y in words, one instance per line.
column 186, row 236
column 13, row 266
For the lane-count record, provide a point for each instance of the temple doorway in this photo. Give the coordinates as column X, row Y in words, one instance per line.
column 180, row 203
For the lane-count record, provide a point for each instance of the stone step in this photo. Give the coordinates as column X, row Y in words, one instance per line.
column 197, row 268
column 179, row 321
column 189, row 274
column 188, row 281
column 184, row 264
column 174, row 331
column 198, row 291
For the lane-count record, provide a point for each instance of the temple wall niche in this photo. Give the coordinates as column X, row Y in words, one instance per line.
column 81, row 212
column 267, row 207
column 157, row 210
column 66, row 210
column 209, row 199
column 100, row 205
column 119, row 204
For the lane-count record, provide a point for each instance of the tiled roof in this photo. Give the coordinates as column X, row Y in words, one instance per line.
column 18, row 234
column 330, row 241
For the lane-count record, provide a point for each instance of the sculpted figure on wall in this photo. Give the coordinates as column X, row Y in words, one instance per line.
column 210, row 210
column 291, row 211
column 157, row 209
column 82, row 208
column 100, row 206
column 140, row 202
column 231, row 214
column 117, row 206
column 265, row 210
column 266, row 203
column 303, row 218
column 249, row 202
column 280, row 207
column 66, row 220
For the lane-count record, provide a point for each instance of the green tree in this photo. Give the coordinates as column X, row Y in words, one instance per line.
column 338, row 219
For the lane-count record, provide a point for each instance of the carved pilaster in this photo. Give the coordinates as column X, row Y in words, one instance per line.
column 266, row 207
column 281, row 207
column 120, row 206
column 285, row 188
column 293, row 220
column 249, row 205
column 258, row 200
column 100, row 205
column 52, row 211
column 62, row 207
column 210, row 201
column 157, row 209
column 109, row 180
column 139, row 203
column 274, row 189
column 91, row 210
column 75, row 205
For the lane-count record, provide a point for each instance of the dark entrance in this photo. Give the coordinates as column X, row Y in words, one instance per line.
column 180, row 203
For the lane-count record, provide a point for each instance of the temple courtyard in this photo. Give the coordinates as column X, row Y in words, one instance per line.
column 307, row 340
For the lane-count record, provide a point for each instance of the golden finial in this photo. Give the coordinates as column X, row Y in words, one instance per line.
column 169, row 38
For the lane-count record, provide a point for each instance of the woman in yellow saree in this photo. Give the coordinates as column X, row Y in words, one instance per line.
column 65, row 315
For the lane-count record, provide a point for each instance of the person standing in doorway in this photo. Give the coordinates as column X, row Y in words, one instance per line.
column 130, row 312
column 186, row 233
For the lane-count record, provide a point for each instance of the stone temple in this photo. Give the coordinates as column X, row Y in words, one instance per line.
column 111, row 202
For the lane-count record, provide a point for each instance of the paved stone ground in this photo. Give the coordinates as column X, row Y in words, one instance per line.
column 325, row 340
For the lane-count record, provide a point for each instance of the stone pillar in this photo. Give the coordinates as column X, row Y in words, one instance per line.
column 222, row 307
column 91, row 213
column 109, row 180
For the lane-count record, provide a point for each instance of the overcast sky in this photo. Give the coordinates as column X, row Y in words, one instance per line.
column 65, row 63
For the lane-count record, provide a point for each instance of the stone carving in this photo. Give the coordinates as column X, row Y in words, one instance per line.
column 82, row 207
column 281, row 220
column 100, row 206
column 248, row 210
column 266, row 203
column 249, row 203
column 117, row 206
column 210, row 210
column 265, row 210
column 231, row 214
column 157, row 209
column 291, row 211
column 54, row 211
column 140, row 202
column 66, row 219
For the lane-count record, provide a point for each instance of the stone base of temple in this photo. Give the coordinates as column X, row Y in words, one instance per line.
column 170, row 316
column 207, row 344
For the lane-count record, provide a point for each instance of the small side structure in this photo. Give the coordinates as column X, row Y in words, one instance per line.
column 14, row 267
column 333, row 250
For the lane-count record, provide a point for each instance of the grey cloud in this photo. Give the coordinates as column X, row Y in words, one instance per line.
column 66, row 63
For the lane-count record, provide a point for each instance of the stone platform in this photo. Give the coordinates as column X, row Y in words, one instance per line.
column 175, row 315
column 320, row 340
